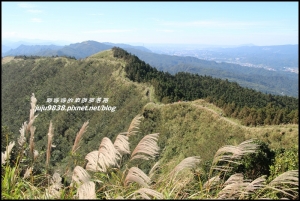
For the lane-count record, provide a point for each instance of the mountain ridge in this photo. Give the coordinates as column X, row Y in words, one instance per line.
column 279, row 83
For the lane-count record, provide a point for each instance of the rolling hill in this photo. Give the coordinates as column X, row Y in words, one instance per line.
column 103, row 76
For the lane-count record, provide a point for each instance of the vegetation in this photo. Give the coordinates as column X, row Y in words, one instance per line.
column 56, row 147
column 112, row 171
column 252, row 107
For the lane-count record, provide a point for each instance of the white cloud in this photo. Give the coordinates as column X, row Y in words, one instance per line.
column 34, row 11
column 108, row 31
column 9, row 34
column 26, row 5
column 36, row 20
column 165, row 30
column 97, row 14
column 213, row 24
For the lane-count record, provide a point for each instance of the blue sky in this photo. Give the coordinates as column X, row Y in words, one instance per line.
column 213, row 23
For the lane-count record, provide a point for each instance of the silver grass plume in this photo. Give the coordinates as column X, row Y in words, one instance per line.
column 255, row 185
column 31, row 142
column 80, row 175
column 147, row 148
column 121, row 144
column 107, row 154
column 234, row 187
column 56, row 181
column 153, row 170
column 105, row 157
column 6, row 154
column 32, row 111
column 134, row 125
column 211, row 182
column 137, row 175
column 79, row 136
column 286, row 183
column 50, row 136
column 22, row 138
column 35, row 154
column 231, row 154
column 27, row 173
column 92, row 164
column 86, row 191
column 31, row 120
column 238, row 188
column 189, row 162
column 54, row 190
column 147, row 193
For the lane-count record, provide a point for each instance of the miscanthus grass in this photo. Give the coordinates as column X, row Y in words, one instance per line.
column 109, row 173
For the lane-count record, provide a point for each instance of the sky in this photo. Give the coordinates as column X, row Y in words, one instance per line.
column 211, row 23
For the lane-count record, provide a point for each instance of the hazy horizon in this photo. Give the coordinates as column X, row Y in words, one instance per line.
column 7, row 42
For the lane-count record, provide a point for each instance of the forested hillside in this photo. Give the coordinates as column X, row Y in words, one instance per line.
column 65, row 78
column 259, row 79
column 252, row 107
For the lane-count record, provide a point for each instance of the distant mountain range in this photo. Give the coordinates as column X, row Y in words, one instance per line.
column 278, row 57
column 77, row 50
column 274, row 81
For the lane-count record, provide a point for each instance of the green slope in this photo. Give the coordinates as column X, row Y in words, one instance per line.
column 196, row 128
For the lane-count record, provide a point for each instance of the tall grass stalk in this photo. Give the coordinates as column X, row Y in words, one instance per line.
column 50, row 136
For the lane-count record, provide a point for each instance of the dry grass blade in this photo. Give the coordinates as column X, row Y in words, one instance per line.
column 80, row 175
column 50, row 136
column 133, row 127
column 146, row 192
column 222, row 168
column 137, row 175
column 22, row 138
column 6, row 154
column 189, row 162
column 79, row 136
column 87, row 191
column 147, row 148
column 121, row 144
